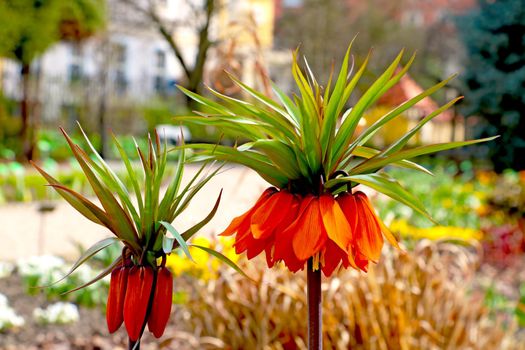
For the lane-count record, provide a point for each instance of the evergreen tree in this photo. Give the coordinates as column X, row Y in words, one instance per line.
column 494, row 77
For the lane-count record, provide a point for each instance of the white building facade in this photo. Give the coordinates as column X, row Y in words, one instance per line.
column 129, row 61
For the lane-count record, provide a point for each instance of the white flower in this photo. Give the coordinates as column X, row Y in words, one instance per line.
column 8, row 317
column 39, row 265
column 6, row 269
column 57, row 313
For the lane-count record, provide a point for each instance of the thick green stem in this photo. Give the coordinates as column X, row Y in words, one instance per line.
column 313, row 285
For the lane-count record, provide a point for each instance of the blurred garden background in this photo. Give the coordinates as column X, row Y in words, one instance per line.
column 114, row 65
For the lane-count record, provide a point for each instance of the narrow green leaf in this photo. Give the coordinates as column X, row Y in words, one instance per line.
column 130, row 171
column 100, row 276
column 331, row 114
column 122, row 222
column 376, row 163
column 88, row 254
column 180, row 240
column 69, row 197
column 87, row 206
column 205, row 101
column 278, row 152
column 349, row 125
column 370, row 131
column 224, row 259
column 173, row 188
column 291, row 108
column 186, row 235
column 367, row 152
column 253, row 160
column 188, row 196
column 401, row 142
column 388, row 186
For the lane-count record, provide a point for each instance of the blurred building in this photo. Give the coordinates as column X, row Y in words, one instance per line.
column 426, row 26
column 131, row 63
column 446, row 127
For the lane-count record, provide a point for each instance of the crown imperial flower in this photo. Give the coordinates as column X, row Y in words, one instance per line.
column 140, row 290
column 309, row 149
column 337, row 231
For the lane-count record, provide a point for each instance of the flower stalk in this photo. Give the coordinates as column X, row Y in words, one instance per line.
column 314, row 295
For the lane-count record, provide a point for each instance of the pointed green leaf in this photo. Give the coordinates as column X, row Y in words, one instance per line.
column 379, row 162
column 180, row 240
column 186, row 235
column 223, row 258
column 88, row 254
column 388, row 186
column 367, row 152
column 100, row 276
column 370, row 131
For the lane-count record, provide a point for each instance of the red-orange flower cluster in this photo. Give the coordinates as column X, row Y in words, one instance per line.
column 131, row 290
column 337, row 231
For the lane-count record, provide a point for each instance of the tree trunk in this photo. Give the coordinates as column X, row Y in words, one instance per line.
column 102, row 117
column 26, row 134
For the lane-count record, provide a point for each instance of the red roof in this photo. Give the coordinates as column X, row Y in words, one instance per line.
column 406, row 89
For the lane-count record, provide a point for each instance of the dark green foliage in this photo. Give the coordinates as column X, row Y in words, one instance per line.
column 494, row 77
column 29, row 27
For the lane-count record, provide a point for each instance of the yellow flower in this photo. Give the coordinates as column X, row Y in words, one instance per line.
column 486, row 177
column 436, row 232
column 448, row 203
column 208, row 266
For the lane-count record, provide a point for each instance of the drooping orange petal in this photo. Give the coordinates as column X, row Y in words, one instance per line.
column 332, row 257
column 348, row 205
column 270, row 214
column 335, row 222
column 238, row 221
column 255, row 247
column 361, row 261
column 386, row 232
column 242, row 239
column 269, row 255
column 283, row 237
column 310, row 233
column 368, row 236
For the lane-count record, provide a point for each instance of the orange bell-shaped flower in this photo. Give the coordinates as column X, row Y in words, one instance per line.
column 161, row 306
column 116, row 295
column 139, row 286
column 340, row 230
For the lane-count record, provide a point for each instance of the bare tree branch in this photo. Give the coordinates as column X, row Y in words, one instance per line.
column 201, row 22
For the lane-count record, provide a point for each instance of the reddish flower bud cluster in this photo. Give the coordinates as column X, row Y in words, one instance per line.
column 137, row 295
column 339, row 231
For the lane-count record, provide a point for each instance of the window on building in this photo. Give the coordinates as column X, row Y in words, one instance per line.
column 119, row 53
column 121, row 82
column 160, row 59
column 159, row 84
column 76, row 50
column 75, row 72
column 292, row 3
column 413, row 18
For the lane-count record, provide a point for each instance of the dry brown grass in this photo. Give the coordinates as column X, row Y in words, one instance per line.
column 417, row 300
